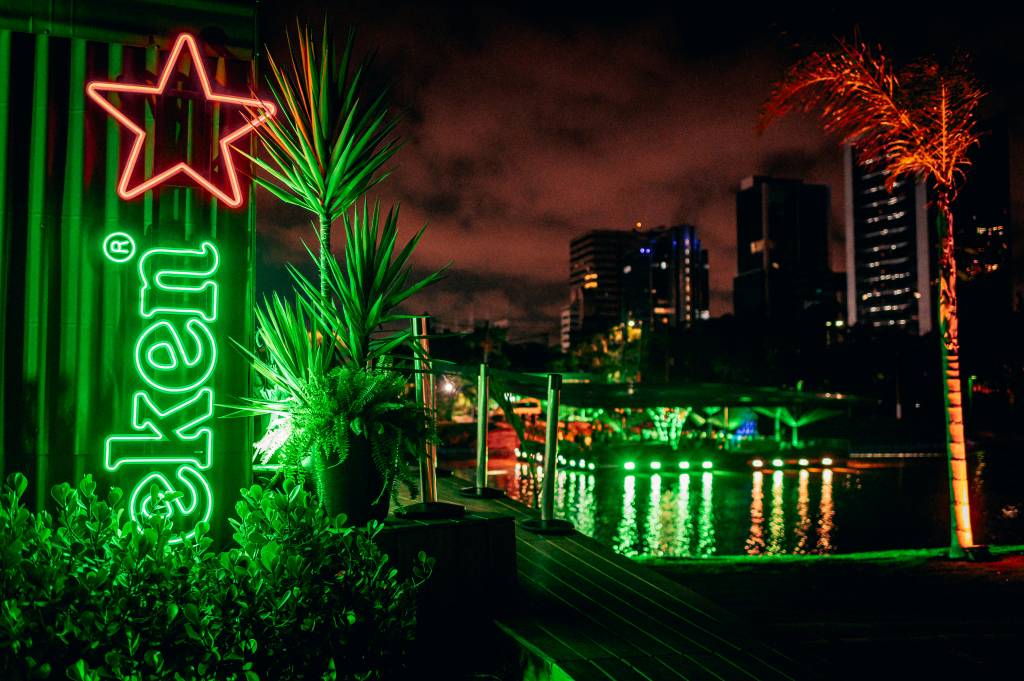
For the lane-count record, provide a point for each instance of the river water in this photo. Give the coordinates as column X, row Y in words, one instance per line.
column 799, row 511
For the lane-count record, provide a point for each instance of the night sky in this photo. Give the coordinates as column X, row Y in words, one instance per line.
column 530, row 124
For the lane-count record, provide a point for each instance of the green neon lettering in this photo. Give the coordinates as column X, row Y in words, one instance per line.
column 175, row 355
column 196, row 501
column 177, row 281
column 172, row 435
column 167, row 363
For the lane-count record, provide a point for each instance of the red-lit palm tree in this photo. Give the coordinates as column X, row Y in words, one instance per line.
column 919, row 122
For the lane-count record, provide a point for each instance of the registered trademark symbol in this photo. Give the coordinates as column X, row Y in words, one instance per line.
column 119, row 247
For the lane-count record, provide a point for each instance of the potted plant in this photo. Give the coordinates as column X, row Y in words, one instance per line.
column 337, row 400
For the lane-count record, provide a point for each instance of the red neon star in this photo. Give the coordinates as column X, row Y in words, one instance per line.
column 125, row 189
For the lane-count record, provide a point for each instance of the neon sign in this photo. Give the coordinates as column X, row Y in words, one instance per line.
column 126, row 190
column 174, row 356
column 165, row 435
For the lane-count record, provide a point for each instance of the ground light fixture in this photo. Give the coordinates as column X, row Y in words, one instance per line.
column 684, row 465
column 803, row 462
column 591, row 466
column 629, row 465
column 826, row 461
column 777, row 463
column 707, row 465
column 757, row 463
column 655, row 465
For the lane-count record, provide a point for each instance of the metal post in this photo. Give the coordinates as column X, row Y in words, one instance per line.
column 426, row 395
column 480, row 489
column 547, row 523
column 482, row 396
column 427, row 392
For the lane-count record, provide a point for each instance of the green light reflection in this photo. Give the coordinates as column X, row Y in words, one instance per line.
column 706, row 543
column 626, row 542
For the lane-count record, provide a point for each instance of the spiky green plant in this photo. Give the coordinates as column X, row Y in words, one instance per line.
column 327, row 357
column 327, row 145
column 364, row 295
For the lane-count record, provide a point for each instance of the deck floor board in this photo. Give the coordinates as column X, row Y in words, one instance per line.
column 599, row 616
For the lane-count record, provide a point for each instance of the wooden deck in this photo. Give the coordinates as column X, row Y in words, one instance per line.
column 588, row 613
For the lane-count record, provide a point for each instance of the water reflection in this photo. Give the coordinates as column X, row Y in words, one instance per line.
column 706, row 524
column 826, row 511
column 684, row 526
column 627, row 534
column 777, row 524
column 655, row 547
column 705, row 513
column 755, row 542
column 803, row 522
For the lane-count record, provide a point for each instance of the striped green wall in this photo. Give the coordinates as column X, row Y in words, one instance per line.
column 68, row 316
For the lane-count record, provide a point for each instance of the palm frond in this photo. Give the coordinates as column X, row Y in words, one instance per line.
column 918, row 121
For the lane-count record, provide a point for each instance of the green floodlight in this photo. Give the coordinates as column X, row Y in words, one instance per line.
column 684, row 465
column 629, row 465
column 707, row 465
column 655, row 465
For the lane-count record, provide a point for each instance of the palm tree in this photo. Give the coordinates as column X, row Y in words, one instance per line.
column 920, row 123
column 327, row 146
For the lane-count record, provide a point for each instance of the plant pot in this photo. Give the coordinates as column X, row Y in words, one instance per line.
column 352, row 487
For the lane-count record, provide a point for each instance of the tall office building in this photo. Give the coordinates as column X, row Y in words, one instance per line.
column 665, row 278
column 782, row 251
column 889, row 262
column 596, row 260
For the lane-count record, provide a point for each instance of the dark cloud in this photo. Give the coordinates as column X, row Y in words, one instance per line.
column 525, row 128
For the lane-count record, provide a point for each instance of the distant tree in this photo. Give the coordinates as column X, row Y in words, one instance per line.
column 917, row 122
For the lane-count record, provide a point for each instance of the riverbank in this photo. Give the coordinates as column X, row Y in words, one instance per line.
column 881, row 615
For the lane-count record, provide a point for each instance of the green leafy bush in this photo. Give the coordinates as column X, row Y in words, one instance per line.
column 89, row 595
column 349, row 403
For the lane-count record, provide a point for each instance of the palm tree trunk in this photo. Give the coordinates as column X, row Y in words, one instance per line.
column 961, row 536
column 325, row 251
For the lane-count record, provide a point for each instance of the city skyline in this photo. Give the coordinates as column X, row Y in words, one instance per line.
column 644, row 118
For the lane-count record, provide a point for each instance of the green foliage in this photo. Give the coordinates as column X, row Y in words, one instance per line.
column 366, row 403
column 326, row 391
column 89, row 596
column 361, row 309
column 326, row 145
column 325, row 150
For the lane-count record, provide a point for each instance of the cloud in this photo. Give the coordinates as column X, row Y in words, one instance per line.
column 520, row 138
